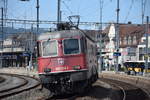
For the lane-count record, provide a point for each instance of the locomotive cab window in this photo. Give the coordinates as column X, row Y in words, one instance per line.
column 49, row 48
column 71, row 46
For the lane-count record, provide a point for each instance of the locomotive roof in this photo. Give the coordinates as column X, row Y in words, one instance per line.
column 60, row 34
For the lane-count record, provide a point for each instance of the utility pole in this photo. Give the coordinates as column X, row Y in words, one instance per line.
column 117, row 37
column 100, row 37
column 37, row 6
column 5, row 8
column 146, row 53
column 4, row 4
column 31, row 47
column 142, row 9
column 60, row 18
column 58, row 12
column 32, row 44
column 2, row 31
column 37, row 32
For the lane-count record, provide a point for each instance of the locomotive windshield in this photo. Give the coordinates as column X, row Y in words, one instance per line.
column 71, row 46
column 49, row 48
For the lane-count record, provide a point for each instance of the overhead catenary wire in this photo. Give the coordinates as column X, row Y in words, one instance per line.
column 130, row 8
column 67, row 7
column 78, row 8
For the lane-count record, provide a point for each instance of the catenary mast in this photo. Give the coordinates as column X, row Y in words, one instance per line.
column 117, row 37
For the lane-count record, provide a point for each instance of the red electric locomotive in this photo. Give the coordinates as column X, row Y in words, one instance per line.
column 67, row 61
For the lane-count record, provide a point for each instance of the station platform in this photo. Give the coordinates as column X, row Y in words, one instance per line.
column 144, row 76
column 20, row 71
column 33, row 72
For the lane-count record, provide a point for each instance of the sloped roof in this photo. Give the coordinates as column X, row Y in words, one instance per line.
column 129, row 30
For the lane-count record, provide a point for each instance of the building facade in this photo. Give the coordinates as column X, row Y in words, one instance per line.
column 131, row 45
column 141, row 50
column 16, row 50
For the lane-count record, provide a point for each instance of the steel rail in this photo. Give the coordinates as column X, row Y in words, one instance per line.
column 30, row 83
column 124, row 88
column 2, row 79
column 119, row 87
column 146, row 91
column 17, row 86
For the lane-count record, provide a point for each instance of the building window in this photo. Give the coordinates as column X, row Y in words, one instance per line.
column 134, row 40
column 120, row 40
column 129, row 40
column 124, row 41
column 49, row 48
column 140, row 50
column 71, row 46
column 141, row 57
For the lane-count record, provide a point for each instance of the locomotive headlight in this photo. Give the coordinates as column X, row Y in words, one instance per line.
column 76, row 67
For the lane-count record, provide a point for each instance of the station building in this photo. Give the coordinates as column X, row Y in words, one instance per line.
column 16, row 49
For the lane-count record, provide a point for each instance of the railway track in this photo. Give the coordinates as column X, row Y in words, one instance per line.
column 14, row 84
column 127, row 91
column 117, row 91
column 2, row 79
column 103, row 89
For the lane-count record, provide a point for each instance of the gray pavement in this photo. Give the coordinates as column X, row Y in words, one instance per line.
column 33, row 72
column 19, row 70
column 123, row 73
